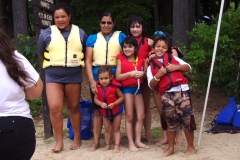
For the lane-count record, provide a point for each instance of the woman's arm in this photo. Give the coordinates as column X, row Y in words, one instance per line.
column 88, row 63
column 118, row 101
column 122, row 76
column 35, row 91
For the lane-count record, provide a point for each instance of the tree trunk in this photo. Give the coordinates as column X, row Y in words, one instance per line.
column 156, row 14
column 166, row 12
column 213, row 10
column 183, row 20
column 19, row 18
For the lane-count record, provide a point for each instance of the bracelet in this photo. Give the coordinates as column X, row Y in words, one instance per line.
column 156, row 79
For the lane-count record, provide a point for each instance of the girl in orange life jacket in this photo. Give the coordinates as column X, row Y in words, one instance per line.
column 130, row 70
column 109, row 97
column 137, row 29
column 176, row 107
column 158, row 101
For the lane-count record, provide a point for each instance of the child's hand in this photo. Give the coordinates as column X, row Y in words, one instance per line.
column 162, row 71
column 110, row 106
column 171, row 67
column 140, row 74
column 104, row 105
column 132, row 73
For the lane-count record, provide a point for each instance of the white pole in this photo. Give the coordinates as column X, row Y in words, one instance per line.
column 210, row 76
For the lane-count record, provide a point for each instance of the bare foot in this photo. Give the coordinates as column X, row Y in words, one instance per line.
column 178, row 143
column 167, row 152
column 191, row 151
column 116, row 149
column 75, row 146
column 93, row 147
column 133, row 148
column 151, row 140
column 107, row 147
column 141, row 145
column 58, row 147
column 162, row 142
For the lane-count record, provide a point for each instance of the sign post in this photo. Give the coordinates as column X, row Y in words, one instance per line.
column 44, row 18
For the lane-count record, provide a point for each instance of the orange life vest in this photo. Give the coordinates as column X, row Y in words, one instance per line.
column 127, row 66
column 170, row 79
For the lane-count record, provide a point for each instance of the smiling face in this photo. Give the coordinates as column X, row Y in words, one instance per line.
column 160, row 48
column 105, row 78
column 106, row 25
column 62, row 19
column 128, row 50
column 136, row 30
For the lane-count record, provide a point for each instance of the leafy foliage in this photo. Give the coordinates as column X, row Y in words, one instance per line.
column 87, row 13
column 35, row 106
column 226, row 66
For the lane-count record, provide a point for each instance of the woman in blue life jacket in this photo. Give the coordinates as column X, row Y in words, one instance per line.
column 101, row 49
column 60, row 48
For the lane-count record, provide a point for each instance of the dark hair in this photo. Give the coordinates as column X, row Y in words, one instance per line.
column 13, row 66
column 105, row 68
column 107, row 14
column 132, row 41
column 63, row 5
column 134, row 20
column 166, row 38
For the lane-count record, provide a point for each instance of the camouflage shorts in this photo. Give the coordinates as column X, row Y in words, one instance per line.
column 177, row 110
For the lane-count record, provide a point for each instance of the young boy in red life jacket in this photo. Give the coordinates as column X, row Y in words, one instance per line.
column 110, row 97
column 165, row 74
column 130, row 71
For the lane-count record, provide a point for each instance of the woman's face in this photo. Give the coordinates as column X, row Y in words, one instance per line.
column 106, row 25
column 136, row 30
column 62, row 19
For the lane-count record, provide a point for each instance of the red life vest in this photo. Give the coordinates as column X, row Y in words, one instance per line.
column 109, row 96
column 170, row 79
column 144, row 48
column 127, row 66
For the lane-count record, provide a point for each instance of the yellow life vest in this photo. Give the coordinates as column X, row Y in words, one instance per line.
column 104, row 53
column 64, row 53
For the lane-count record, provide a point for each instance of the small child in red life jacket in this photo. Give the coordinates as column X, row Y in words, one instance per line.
column 110, row 97
column 130, row 71
column 165, row 74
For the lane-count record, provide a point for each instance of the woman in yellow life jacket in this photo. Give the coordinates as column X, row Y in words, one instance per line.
column 60, row 48
column 101, row 49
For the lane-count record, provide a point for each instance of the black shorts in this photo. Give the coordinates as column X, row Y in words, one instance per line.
column 17, row 138
column 94, row 105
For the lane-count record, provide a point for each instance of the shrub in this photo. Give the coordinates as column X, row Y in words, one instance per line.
column 226, row 66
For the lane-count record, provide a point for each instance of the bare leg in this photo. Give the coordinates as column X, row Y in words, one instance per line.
column 179, row 139
column 190, row 138
column 140, row 118
column 117, row 133
column 73, row 93
column 55, row 95
column 146, row 93
column 128, row 104
column 97, row 127
column 171, row 140
column 158, row 102
column 107, row 133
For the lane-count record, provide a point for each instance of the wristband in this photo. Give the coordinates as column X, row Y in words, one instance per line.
column 156, row 79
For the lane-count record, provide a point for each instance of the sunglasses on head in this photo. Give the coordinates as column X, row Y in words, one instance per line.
column 108, row 22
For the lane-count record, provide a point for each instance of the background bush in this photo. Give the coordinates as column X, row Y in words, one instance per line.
column 226, row 65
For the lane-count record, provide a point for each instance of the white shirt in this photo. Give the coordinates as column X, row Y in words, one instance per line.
column 12, row 96
column 183, row 87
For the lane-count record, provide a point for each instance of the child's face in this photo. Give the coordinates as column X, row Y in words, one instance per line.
column 136, row 30
column 160, row 48
column 104, row 79
column 128, row 50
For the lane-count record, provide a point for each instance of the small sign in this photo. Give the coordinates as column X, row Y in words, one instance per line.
column 43, row 19
column 44, row 4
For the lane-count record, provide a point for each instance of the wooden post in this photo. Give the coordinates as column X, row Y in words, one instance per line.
column 44, row 19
